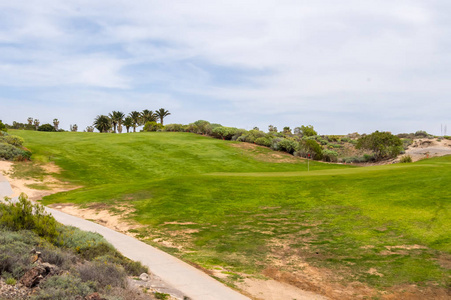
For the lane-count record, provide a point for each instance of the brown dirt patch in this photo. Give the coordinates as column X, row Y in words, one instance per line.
column 21, row 185
column 101, row 214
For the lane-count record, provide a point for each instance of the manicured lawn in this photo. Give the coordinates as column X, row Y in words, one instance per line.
column 225, row 206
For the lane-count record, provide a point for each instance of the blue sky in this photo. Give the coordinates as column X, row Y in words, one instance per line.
column 341, row 66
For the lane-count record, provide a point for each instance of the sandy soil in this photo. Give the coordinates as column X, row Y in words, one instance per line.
column 21, row 185
column 103, row 217
column 425, row 148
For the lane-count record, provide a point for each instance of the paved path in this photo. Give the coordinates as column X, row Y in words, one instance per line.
column 190, row 281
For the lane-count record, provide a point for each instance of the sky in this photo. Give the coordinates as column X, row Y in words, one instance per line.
column 341, row 66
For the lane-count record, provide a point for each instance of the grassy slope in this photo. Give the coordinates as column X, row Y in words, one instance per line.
column 244, row 209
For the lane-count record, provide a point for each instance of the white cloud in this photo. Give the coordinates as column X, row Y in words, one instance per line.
column 303, row 58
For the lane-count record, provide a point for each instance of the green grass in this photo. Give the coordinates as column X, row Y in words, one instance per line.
column 239, row 209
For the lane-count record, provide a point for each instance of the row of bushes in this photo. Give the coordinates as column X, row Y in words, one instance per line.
column 11, row 147
column 301, row 143
column 86, row 262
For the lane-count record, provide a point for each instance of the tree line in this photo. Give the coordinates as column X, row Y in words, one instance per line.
column 116, row 120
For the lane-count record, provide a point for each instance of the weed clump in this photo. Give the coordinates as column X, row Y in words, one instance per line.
column 406, row 159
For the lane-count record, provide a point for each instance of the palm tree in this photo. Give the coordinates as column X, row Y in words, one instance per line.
column 30, row 121
column 148, row 116
column 128, row 122
column 73, row 128
column 55, row 124
column 161, row 113
column 36, row 123
column 136, row 118
column 89, row 129
column 116, row 118
column 102, row 123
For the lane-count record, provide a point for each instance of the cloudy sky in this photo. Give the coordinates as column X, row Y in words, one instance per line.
column 341, row 66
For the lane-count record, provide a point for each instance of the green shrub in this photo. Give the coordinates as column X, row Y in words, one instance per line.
column 310, row 147
column 421, row 134
column 25, row 215
column 46, row 127
column 88, row 244
column 251, row 136
column 152, row 126
column 406, row 159
column 383, row 144
column 63, row 287
column 285, row 145
column 14, row 140
column 10, row 152
column 132, row 268
column 56, row 256
column 225, row 133
column 330, row 156
column 161, row 296
column 174, row 127
column 15, row 249
column 359, row 159
column 103, row 274
column 2, row 127
column 238, row 134
column 345, row 139
column 263, row 141
column 11, row 281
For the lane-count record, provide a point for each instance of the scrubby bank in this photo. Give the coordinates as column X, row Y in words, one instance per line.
column 305, row 142
column 46, row 260
column 11, row 147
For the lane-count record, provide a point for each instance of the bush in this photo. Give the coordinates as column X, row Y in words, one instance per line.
column 25, row 215
column 225, row 133
column 14, row 140
column 63, row 287
column 2, row 127
column 359, row 159
column 285, row 145
column 251, row 136
column 330, row 156
column 383, row 144
column 310, row 147
column 263, row 141
column 46, row 127
column 406, row 159
column 15, row 251
column 174, row 127
column 152, row 126
column 56, row 256
column 88, row 244
column 103, row 274
column 421, row 134
column 9, row 152
column 238, row 134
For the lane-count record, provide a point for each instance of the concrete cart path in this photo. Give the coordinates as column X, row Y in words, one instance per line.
column 190, row 281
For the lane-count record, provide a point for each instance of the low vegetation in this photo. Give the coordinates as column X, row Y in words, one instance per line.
column 11, row 146
column 250, row 210
column 71, row 263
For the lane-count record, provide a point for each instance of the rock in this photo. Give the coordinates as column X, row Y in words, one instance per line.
column 144, row 277
column 33, row 276
column 50, row 269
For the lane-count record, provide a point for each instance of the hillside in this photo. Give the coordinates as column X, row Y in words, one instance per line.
column 240, row 212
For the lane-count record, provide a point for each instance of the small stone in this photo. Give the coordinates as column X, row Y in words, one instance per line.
column 144, row 277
